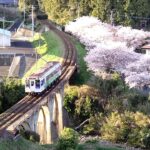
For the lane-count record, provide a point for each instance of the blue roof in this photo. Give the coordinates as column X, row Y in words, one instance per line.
column 5, row 32
column 8, row 1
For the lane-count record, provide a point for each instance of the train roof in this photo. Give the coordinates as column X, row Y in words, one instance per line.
column 44, row 69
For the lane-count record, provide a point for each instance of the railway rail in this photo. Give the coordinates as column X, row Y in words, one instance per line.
column 18, row 111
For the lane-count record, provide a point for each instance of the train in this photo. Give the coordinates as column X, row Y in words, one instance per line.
column 43, row 78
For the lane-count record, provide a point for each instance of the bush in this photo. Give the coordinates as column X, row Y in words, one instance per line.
column 68, row 139
column 133, row 128
column 94, row 125
column 71, row 95
column 117, row 127
column 12, row 91
column 30, row 135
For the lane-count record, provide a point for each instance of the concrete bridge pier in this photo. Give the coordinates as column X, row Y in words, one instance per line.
column 60, row 97
column 48, row 121
column 46, row 118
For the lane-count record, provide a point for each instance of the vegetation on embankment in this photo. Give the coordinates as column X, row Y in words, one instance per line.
column 69, row 140
column 20, row 144
column 11, row 91
column 82, row 75
column 110, row 110
column 50, row 48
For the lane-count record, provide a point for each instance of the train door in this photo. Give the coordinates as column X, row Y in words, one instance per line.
column 32, row 85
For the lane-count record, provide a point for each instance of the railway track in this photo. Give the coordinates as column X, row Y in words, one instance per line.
column 10, row 116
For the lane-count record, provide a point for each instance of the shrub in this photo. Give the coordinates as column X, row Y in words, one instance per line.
column 140, row 131
column 71, row 94
column 136, row 99
column 146, row 139
column 94, row 125
column 30, row 135
column 133, row 128
column 116, row 128
column 68, row 139
column 12, row 91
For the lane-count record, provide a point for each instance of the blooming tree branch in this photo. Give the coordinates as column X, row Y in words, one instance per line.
column 113, row 47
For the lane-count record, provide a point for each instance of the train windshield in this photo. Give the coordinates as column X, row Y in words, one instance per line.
column 32, row 83
column 27, row 83
column 42, row 82
column 37, row 83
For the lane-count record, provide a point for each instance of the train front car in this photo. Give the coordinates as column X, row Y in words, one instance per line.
column 43, row 78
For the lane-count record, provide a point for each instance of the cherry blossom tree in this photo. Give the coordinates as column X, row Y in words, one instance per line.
column 113, row 48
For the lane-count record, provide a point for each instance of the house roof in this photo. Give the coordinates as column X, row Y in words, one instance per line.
column 147, row 46
column 8, row 2
column 5, row 32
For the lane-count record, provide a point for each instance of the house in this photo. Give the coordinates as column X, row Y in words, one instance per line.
column 146, row 49
column 5, row 38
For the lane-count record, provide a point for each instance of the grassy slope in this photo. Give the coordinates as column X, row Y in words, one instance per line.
column 94, row 146
column 21, row 144
column 83, row 74
column 51, row 49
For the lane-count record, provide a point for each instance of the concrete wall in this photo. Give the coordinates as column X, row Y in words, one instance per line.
column 4, row 40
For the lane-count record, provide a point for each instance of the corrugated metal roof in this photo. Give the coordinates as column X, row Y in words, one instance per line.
column 5, row 32
column 146, row 46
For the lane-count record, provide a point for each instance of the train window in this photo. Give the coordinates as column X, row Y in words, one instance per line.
column 32, row 83
column 43, row 82
column 48, row 77
column 27, row 83
column 37, row 83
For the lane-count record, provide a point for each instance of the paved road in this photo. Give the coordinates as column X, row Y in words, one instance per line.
column 15, row 26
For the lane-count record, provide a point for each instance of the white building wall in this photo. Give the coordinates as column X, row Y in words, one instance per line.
column 4, row 40
column 148, row 51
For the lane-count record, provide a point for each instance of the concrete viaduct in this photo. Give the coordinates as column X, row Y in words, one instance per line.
column 46, row 118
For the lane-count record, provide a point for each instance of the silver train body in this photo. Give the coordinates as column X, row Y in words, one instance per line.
column 44, row 78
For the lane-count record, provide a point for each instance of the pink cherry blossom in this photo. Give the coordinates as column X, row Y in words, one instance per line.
column 113, row 47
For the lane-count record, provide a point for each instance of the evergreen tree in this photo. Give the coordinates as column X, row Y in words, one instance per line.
column 126, row 12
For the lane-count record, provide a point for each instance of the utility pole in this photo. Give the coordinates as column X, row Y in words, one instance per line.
column 3, row 29
column 32, row 20
column 112, row 17
column 78, row 7
column 4, row 6
column 1, row 87
column 24, row 13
